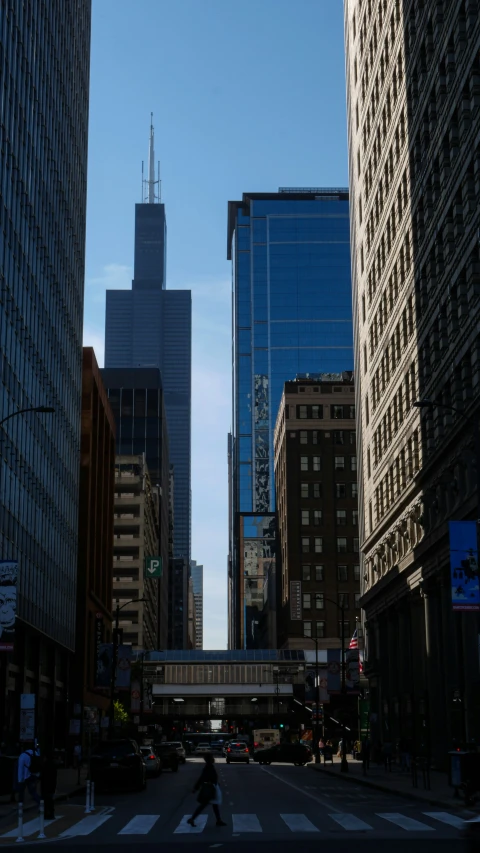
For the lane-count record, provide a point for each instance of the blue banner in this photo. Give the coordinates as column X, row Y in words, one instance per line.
column 464, row 565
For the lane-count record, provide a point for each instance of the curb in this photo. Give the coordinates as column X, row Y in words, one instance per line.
column 385, row 789
column 59, row 798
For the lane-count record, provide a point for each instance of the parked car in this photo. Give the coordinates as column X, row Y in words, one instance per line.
column 182, row 755
column 225, row 746
column 216, row 746
column 153, row 763
column 168, row 755
column 238, row 751
column 294, row 753
column 202, row 748
column 118, row 763
column 471, row 833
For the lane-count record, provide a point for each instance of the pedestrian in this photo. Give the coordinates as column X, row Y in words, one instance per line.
column 321, row 745
column 28, row 773
column 340, row 748
column 387, row 754
column 48, row 783
column 366, row 753
column 209, row 791
column 77, row 759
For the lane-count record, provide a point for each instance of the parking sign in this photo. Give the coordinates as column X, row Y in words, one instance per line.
column 153, row 567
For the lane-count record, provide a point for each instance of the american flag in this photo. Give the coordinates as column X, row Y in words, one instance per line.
column 354, row 641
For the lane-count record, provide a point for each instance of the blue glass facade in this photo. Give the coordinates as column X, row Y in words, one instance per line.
column 44, row 69
column 292, row 313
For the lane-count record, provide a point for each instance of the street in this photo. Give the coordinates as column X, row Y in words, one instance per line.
column 262, row 807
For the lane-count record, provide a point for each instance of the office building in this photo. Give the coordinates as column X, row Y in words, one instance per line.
column 44, row 64
column 136, row 539
column 150, row 326
column 95, row 542
column 179, row 580
column 317, row 512
column 192, row 630
column 413, row 88
column 292, row 314
column 137, row 401
column 197, row 578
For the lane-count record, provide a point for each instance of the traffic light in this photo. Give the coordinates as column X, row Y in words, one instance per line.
column 281, row 725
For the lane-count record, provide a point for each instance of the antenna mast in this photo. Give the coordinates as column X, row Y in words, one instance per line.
column 149, row 183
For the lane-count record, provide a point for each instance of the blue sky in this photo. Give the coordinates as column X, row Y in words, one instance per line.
column 246, row 96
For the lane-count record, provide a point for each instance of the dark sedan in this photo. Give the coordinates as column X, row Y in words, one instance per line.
column 168, row 755
column 293, row 753
column 118, row 763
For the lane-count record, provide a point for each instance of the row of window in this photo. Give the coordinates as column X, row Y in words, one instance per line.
column 318, row 573
column 337, row 412
column 315, row 517
column 314, row 490
column 341, row 463
column 319, row 629
column 344, row 545
column 316, row 600
column 340, row 436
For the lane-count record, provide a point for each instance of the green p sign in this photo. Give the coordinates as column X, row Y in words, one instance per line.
column 153, row 567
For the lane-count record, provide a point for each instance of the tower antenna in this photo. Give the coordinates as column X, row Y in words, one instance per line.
column 149, row 183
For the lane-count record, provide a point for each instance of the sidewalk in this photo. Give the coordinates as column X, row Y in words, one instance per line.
column 396, row 782
column 67, row 786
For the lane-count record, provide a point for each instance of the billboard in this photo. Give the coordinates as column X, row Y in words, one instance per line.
column 8, row 603
column 464, row 565
column 104, row 666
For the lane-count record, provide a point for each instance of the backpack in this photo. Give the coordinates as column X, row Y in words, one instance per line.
column 35, row 763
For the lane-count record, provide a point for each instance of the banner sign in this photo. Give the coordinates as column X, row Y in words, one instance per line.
column 295, row 600
column 334, row 670
column 464, row 565
column 8, row 603
column 153, row 567
column 104, row 665
column 124, row 667
column 310, row 692
column 352, row 671
column 135, row 698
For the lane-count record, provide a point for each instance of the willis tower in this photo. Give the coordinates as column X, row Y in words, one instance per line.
column 150, row 326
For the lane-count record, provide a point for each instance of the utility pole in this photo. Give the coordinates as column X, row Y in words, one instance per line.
column 111, row 719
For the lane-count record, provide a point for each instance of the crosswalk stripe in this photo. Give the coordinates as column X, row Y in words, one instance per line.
column 405, row 822
column 86, row 826
column 246, row 823
column 350, row 822
column 141, row 824
column 185, row 828
column 29, row 828
column 298, row 823
column 445, row 817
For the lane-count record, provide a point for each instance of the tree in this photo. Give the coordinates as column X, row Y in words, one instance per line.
column 121, row 714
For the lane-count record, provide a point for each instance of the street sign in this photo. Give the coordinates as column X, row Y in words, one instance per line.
column 153, row 567
column 27, row 724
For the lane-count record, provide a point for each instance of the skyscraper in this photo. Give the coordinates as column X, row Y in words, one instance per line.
column 291, row 315
column 197, row 578
column 44, row 67
column 150, row 326
column 413, row 89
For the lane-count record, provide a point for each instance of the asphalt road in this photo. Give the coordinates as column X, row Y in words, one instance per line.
column 265, row 809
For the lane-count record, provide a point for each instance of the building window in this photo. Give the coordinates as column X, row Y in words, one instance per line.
column 305, row 516
column 303, row 436
column 356, row 547
column 317, row 517
column 304, row 463
column 319, row 601
column 319, row 574
column 337, row 412
column 342, row 599
column 353, row 463
column 346, row 629
column 356, row 571
column 307, row 629
column 338, row 437
column 305, row 545
column 307, row 601
column 353, row 437
column 341, row 516
column 351, row 412
column 355, row 517
column 320, row 630
column 340, row 490
column 317, row 490
column 358, row 596
column 315, row 436
column 318, row 545
column 342, row 573
column 304, row 490
column 302, row 412
column 317, row 412
column 316, row 463
column 339, row 463
column 305, row 572
column 341, row 545
column 354, row 487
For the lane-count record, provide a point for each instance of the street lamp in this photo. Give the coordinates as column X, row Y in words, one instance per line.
column 114, row 661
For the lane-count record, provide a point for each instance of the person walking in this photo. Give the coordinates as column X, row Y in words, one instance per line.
column 28, row 771
column 209, row 792
column 48, row 783
column 77, row 760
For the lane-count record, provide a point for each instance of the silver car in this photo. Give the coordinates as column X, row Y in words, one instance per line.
column 202, row 748
column 153, row 765
column 182, row 755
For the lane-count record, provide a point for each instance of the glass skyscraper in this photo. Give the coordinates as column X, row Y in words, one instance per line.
column 292, row 314
column 150, row 326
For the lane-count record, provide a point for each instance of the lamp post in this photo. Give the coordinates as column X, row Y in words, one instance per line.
column 344, row 764
column 114, row 662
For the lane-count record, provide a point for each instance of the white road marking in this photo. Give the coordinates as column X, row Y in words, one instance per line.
column 301, row 790
column 141, row 824
column 29, row 828
column 184, row 828
column 246, row 823
column 446, row 817
column 350, row 822
column 85, row 826
column 299, row 823
column 404, row 822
